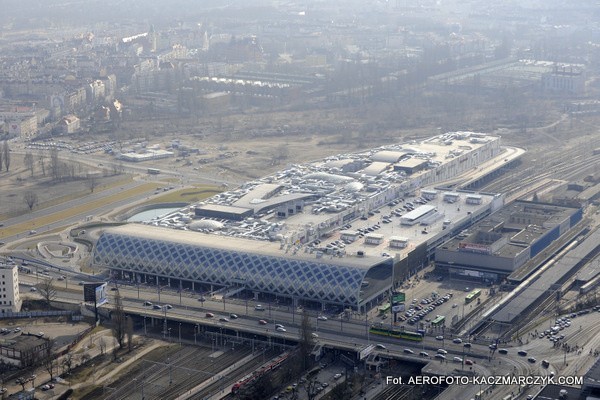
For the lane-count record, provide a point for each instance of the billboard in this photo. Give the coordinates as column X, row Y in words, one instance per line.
column 475, row 248
column 366, row 351
column 398, row 308
column 398, row 297
column 94, row 292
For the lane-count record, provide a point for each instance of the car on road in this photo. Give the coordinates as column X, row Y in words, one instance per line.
column 503, row 351
column 210, row 315
column 233, row 316
column 531, row 360
column 469, row 362
column 440, row 337
column 32, row 289
column 322, row 318
column 424, row 354
column 259, row 307
column 147, row 303
column 522, row 353
column 223, row 319
column 545, row 363
column 457, row 359
column 337, row 376
column 201, row 298
column 168, row 306
column 440, row 356
column 315, row 335
column 409, row 351
column 157, row 307
column 467, row 345
column 262, row 321
column 442, row 351
column 457, row 340
column 279, row 326
column 32, row 232
column 280, row 329
column 380, row 346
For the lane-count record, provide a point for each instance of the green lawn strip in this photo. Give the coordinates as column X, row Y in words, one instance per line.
column 187, row 195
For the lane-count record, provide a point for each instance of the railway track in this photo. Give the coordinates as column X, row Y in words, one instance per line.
column 179, row 373
column 395, row 392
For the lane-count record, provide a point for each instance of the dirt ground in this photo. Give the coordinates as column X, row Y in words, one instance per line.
column 235, row 149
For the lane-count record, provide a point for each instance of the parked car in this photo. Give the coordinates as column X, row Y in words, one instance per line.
column 210, row 315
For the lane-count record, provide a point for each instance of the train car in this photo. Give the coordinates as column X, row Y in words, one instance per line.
column 250, row 379
column 395, row 333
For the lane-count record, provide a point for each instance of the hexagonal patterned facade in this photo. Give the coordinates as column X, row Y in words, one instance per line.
column 306, row 279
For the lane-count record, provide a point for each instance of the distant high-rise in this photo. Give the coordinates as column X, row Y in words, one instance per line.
column 10, row 299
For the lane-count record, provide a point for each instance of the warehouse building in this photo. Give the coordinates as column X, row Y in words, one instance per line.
column 504, row 241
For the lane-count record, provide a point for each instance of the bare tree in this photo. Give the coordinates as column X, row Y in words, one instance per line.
column 42, row 163
column 92, row 182
column 118, row 321
column 102, row 345
column 54, row 164
column 85, row 357
column 306, row 343
column 31, row 199
column 68, row 361
column 47, row 290
column 29, row 163
column 49, row 360
column 129, row 329
column 6, row 155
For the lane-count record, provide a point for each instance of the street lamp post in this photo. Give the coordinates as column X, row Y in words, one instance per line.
column 145, row 331
column 195, row 333
column 180, row 334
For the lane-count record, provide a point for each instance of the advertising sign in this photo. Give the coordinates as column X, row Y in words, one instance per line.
column 94, row 292
column 474, row 248
column 366, row 351
column 398, row 308
column 398, row 297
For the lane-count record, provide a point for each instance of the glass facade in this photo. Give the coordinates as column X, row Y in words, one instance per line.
column 306, row 279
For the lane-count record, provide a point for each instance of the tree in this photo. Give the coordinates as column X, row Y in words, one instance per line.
column 118, row 321
column 54, row 164
column 129, row 329
column 68, row 362
column 306, row 343
column 29, row 163
column 42, row 163
column 102, row 345
column 92, row 182
column 31, row 199
column 49, row 360
column 6, row 155
column 47, row 290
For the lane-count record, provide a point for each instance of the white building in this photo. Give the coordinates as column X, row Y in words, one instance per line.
column 10, row 299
